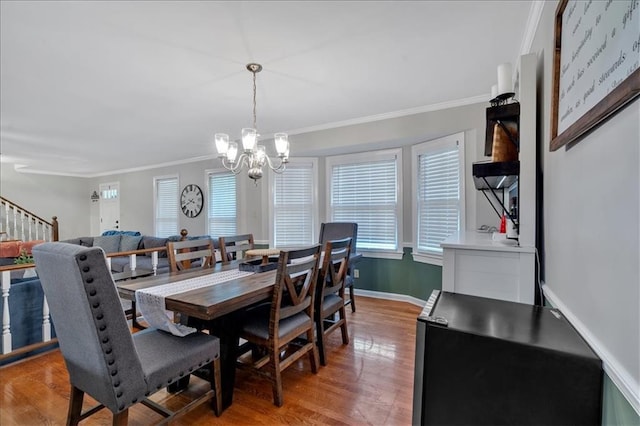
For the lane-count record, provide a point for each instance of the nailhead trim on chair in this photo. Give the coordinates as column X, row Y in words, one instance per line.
column 110, row 359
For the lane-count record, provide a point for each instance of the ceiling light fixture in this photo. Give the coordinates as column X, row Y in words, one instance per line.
column 254, row 156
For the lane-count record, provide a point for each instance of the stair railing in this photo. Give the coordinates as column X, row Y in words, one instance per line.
column 17, row 223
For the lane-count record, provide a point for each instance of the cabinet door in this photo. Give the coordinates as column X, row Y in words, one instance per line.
column 495, row 274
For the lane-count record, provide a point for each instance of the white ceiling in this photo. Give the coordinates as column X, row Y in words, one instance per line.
column 89, row 88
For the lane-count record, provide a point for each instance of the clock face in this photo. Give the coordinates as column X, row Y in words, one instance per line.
column 191, row 200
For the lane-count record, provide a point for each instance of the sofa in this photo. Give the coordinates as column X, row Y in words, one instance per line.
column 118, row 245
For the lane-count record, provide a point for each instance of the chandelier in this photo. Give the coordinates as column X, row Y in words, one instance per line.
column 253, row 156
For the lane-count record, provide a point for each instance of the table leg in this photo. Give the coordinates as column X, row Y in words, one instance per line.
column 226, row 329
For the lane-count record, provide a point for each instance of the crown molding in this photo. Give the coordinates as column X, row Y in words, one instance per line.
column 394, row 114
column 21, row 168
column 535, row 13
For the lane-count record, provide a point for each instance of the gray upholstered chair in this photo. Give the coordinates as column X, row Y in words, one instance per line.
column 103, row 358
column 336, row 231
column 330, row 294
column 233, row 247
column 271, row 329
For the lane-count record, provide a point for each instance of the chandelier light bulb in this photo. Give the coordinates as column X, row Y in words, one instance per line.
column 261, row 154
column 282, row 143
column 249, row 139
column 232, row 152
column 222, row 143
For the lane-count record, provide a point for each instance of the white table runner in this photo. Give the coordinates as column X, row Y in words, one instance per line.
column 151, row 304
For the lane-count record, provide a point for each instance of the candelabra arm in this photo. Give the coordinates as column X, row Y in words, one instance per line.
column 280, row 167
column 236, row 166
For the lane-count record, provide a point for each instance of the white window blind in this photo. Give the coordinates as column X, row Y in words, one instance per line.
column 367, row 193
column 294, row 207
column 166, row 212
column 440, row 199
column 222, row 204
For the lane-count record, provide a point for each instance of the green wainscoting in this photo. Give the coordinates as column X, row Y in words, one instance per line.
column 616, row 410
column 404, row 276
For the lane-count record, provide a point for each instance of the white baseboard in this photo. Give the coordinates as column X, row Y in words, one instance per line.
column 390, row 296
column 616, row 372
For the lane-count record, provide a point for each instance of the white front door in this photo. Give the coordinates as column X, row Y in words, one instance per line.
column 109, row 206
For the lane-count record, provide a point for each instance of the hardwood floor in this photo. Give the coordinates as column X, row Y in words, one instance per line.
column 369, row 381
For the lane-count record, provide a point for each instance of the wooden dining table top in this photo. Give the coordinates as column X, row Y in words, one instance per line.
column 209, row 302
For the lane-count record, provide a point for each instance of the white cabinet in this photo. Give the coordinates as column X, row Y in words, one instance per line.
column 475, row 264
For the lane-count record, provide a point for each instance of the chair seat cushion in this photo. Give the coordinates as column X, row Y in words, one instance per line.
column 331, row 304
column 164, row 356
column 257, row 322
column 348, row 281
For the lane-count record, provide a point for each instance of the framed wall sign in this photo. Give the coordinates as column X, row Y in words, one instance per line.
column 596, row 65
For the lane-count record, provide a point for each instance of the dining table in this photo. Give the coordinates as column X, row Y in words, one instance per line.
column 217, row 308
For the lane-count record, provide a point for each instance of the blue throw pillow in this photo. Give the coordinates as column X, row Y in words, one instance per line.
column 108, row 243
column 111, row 232
column 132, row 233
column 129, row 242
column 114, row 232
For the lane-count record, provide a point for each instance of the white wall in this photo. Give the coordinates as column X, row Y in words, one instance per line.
column 67, row 198
column 591, row 227
column 136, row 188
column 136, row 196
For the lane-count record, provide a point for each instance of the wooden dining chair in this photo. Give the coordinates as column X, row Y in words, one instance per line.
column 233, row 247
column 272, row 330
column 190, row 253
column 185, row 255
column 103, row 358
column 336, row 231
column 330, row 294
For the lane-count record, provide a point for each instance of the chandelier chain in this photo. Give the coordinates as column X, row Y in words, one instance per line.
column 254, row 100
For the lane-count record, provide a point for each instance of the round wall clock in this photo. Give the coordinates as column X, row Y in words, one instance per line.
column 191, row 200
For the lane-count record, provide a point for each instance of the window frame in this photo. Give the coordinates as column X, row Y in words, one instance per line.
column 314, row 209
column 156, row 179
column 372, row 157
column 422, row 256
column 207, row 174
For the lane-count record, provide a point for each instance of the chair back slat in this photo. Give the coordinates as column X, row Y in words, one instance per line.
column 233, row 247
column 335, row 266
column 181, row 253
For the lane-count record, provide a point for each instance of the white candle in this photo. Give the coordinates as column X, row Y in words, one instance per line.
column 504, row 78
column 494, row 91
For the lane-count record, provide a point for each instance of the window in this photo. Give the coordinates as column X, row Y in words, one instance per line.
column 222, row 219
column 166, row 206
column 294, row 204
column 367, row 189
column 438, row 204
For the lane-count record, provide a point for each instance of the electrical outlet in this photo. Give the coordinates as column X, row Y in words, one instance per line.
column 356, row 273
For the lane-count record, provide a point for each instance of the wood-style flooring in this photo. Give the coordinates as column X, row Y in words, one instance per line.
column 368, row 382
